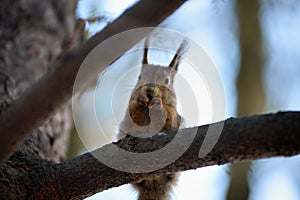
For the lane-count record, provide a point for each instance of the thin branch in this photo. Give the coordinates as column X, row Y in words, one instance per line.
column 248, row 138
column 54, row 89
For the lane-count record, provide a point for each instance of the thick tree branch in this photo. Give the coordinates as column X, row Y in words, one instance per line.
column 248, row 138
column 55, row 88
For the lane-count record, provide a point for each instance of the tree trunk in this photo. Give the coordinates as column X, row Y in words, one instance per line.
column 33, row 33
column 251, row 97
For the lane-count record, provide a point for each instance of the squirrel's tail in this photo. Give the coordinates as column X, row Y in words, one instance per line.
column 156, row 188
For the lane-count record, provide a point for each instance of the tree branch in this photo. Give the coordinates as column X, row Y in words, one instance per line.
column 248, row 138
column 54, row 89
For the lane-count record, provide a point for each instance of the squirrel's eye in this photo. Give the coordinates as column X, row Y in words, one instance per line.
column 167, row 81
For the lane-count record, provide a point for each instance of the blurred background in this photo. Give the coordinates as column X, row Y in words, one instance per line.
column 255, row 46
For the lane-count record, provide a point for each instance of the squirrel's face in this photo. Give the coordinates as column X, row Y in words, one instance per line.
column 155, row 82
column 155, row 74
column 153, row 100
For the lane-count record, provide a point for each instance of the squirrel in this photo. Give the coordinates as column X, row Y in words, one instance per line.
column 152, row 109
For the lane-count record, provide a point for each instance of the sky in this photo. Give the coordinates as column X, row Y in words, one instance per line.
column 212, row 25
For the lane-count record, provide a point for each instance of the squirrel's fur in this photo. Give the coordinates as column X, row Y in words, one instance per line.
column 152, row 109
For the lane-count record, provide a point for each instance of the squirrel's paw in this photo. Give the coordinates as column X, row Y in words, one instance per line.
column 156, row 112
column 155, row 102
column 158, row 116
column 142, row 100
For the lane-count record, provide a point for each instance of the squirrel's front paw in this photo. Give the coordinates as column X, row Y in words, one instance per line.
column 155, row 103
column 142, row 100
column 157, row 115
column 156, row 112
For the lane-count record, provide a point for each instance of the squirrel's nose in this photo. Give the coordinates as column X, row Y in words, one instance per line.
column 150, row 97
column 151, row 85
column 150, row 88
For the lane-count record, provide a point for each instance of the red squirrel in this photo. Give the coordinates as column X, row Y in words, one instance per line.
column 152, row 109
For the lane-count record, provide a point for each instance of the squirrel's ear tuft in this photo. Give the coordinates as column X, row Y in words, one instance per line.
column 145, row 56
column 178, row 56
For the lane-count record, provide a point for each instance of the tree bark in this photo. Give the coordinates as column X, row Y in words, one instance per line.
column 33, row 34
column 242, row 139
column 56, row 87
column 35, row 118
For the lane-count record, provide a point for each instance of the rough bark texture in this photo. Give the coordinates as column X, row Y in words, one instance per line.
column 242, row 139
column 57, row 84
column 33, row 33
